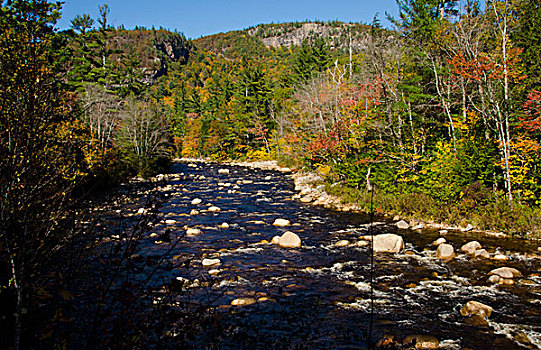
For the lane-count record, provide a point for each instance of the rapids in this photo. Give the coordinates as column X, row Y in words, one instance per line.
column 319, row 295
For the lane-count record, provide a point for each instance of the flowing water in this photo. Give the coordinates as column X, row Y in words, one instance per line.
column 320, row 295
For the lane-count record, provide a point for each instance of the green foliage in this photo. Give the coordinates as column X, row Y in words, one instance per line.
column 527, row 36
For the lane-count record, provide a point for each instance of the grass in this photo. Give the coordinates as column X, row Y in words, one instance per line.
column 496, row 215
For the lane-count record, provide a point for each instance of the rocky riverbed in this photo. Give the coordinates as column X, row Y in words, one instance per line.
column 246, row 241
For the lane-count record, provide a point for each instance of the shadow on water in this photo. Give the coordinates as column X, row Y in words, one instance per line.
column 318, row 296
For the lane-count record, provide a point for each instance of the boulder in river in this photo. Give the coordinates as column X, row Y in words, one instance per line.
column 402, row 225
column 210, row 262
column 421, row 342
column 362, row 243
column 342, row 243
column 388, row 243
column 439, row 241
column 445, row 252
column 281, row 222
column 501, row 257
column 196, row 201
column 193, row 231
column 214, row 209
column 476, row 308
column 194, row 212
column 470, row 247
column 289, row 240
column 506, row 272
column 477, row 321
column 224, row 225
column 243, row 302
column 481, row 253
column 223, row 171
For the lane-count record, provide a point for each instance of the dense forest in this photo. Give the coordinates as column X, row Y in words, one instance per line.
column 439, row 117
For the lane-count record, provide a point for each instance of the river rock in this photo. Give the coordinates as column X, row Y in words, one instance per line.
column 439, row 241
column 476, row 308
column 210, row 262
column 223, row 171
column 224, row 225
column 494, row 279
column 342, row 243
column 418, row 227
column 214, row 209
column 402, row 225
column 445, row 252
column 477, row 321
column 306, row 199
column 500, row 257
column 196, row 201
column 506, row 272
column 362, row 243
column 469, row 227
column 243, row 302
column 388, row 243
column 443, row 232
column 481, row 253
column 470, row 247
column 194, row 212
column 214, row 272
column 289, row 240
column 170, row 222
column 421, row 342
column 275, row 240
column 193, row 231
column 281, row 222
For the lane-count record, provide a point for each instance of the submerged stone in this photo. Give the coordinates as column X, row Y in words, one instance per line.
column 421, row 342
column 243, row 302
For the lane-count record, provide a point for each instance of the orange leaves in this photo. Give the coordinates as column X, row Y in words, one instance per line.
column 488, row 66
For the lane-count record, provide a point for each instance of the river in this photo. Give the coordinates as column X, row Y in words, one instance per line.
column 320, row 295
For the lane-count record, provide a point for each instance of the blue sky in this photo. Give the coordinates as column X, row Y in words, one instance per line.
column 204, row 17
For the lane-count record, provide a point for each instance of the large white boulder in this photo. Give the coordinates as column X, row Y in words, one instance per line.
column 289, row 240
column 445, row 252
column 471, row 247
column 388, row 243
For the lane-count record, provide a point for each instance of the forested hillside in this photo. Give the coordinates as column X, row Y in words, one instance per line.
column 440, row 115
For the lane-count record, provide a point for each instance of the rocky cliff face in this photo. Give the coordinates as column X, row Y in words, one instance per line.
column 337, row 34
column 156, row 50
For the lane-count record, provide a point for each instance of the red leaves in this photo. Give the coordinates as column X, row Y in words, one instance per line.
column 532, row 121
column 487, row 66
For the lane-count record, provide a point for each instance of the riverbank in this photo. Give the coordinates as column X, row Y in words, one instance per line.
column 313, row 189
